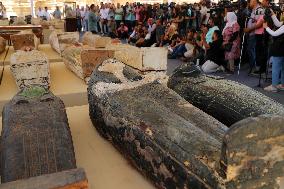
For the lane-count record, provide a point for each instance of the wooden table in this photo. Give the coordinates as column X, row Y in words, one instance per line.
column 7, row 31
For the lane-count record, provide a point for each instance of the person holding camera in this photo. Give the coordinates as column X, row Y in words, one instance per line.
column 256, row 45
column 277, row 54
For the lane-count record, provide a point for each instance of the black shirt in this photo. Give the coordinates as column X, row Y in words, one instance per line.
column 216, row 53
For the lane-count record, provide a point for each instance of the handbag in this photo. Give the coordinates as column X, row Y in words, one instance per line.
column 228, row 47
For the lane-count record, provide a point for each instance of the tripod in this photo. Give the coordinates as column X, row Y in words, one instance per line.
column 242, row 47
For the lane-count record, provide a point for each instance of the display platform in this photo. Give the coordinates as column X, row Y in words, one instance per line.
column 105, row 167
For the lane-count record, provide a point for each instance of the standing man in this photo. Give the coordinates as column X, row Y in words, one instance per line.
column 255, row 27
column 93, row 20
column 78, row 18
column 40, row 13
column 204, row 13
column 118, row 15
column 130, row 17
column 86, row 19
column 2, row 11
column 103, row 20
column 46, row 14
column 57, row 13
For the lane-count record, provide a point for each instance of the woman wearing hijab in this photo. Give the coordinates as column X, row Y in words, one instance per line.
column 231, row 40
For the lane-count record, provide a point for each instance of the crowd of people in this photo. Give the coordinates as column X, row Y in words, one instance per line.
column 192, row 32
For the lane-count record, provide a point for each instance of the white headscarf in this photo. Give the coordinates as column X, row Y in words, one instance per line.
column 231, row 20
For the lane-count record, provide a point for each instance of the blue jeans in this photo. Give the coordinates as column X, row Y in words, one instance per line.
column 277, row 69
column 178, row 51
column 251, row 50
column 86, row 25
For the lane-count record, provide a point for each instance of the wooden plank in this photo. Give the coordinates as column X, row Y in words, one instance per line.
column 21, row 27
column 70, row 179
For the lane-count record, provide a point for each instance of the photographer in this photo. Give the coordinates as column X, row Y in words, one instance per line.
column 277, row 54
column 256, row 38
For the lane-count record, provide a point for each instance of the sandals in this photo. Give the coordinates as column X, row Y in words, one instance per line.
column 271, row 88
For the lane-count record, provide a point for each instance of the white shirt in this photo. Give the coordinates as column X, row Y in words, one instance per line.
column 46, row 14
column 151, row 28
column 276, row 33
column 204, row 12
column 82, row 14
column 133, row 34
column 86, row 14
column 148, row 36
column 276, row 22
column 104, row 13
column 40, row 13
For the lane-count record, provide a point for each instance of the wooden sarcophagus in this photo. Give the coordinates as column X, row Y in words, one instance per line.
column 227, row 101
column 253, row 153
column 170, row 141
column 175, row 144
column 36, row 138
column 83, row 60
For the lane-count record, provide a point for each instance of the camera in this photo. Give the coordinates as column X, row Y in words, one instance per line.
column 268, row 13
column 218, row 9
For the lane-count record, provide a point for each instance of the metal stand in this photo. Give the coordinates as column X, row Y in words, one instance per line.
column 242, row 47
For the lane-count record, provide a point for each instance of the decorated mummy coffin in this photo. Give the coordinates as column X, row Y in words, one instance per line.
column 170, row 141
column 59, row 40
column 175, row 144
column 96, row 41
column 82, row 61
column 253, row 153
column 36, row 143
column 227, row 101
column 143, row 59
column 30, row 68
column 35, row 127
